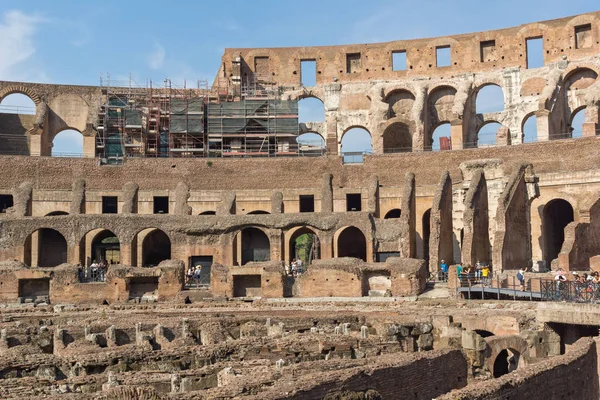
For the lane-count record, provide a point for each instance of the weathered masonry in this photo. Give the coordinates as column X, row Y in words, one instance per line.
column 215, row 176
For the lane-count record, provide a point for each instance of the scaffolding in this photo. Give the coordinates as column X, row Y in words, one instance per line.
column 157, row 121
column 258, row 124
column 170, row 121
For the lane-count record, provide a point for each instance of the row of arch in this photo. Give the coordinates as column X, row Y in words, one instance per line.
column 47, row 247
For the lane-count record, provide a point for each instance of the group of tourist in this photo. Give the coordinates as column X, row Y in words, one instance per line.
column 193, row 274
column 295, row 268
column 481, row 272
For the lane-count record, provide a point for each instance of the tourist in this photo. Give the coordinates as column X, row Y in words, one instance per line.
column 444, row 271
column 197, row 273
column 299, row 266
column 521, row 278
column 288, row 269
column 189, row 275
column 478, row 267
column 459, row 273
column 485, row 272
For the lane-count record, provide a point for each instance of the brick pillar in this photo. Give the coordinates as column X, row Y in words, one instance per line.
column 503, row 136
column 456, row 134
column 35, row 145
column 125, row 254
column 276, row 239
column 89, row 146
column 331, row 140
column 326, row 246
column 73, row 254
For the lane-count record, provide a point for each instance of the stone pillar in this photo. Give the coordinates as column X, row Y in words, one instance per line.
column 89, row 145
column 503, row 136
column 277, row 203
column 373, row 196
column 276, row 239
column 35, row 145
column 456, row 134
column 542, row 120
column 327, row 194
column 591, row 126
column 35, row 249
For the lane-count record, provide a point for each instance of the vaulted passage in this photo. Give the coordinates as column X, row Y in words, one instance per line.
column 397, row 138
column 352, row 243
column 106, row 246
column 255, row 246
column 557, row 215
column 506, row 362
column 46, row 248
column 304, row 245
column 155, row 248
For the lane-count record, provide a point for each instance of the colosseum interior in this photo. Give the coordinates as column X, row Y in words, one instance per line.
column 157, row 265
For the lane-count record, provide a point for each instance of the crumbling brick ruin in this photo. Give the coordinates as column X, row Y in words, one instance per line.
column 177, row 178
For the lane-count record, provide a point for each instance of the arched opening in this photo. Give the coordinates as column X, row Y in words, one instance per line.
column 208, row 213
column 441, row 138
column 557, row 215
column 255, row 246
column 530, row 129
column 400, row 103
column 311, row 109
column 17, row 103
column 490, row 98
column 310, row 143
column 56, row 213
column 156, row 247
column 106, row 246
column 426, row 232
column 483, row 333
column 258, row 212
column 355, row 143
column 352, row 243
column 486, row 136
column 393, row 213
column 576, row 125
column 304, row 245
column 507, row 361
column 47, row 248
column 397, row 138
column 67, row 143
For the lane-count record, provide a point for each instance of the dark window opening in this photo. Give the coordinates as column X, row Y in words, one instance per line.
column 487, row 49
column 535, row 52
column 109, row 204
column 399, row 60
column 308, row 72
column 6, row 201
column 353, row 202
column 393, row 213
column 307, row 203
column 583, row 36
column 161, row 204
column 353, row 63
column 381, row 256
column 442, row 56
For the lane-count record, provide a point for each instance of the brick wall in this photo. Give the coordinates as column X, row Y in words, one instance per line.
column 289, row 173
column 415, row 376
column 572, row 376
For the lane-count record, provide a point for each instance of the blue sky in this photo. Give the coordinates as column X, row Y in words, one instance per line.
column 74, row 41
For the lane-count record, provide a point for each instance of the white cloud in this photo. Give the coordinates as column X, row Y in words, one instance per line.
column 156, row 59
column 17, row 31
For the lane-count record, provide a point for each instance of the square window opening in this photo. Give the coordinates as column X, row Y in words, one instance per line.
column 487, row 50
column 307, row 203
column 583, row 36
column 442, row 56
column 353, row 202
column 399, row 60
column 308, row 72
column 109, row 204
column 535, row 52
column 161, row 204
column 353, row 64
column 6, row 201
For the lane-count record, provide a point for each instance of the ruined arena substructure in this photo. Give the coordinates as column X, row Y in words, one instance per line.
column 198, row 199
